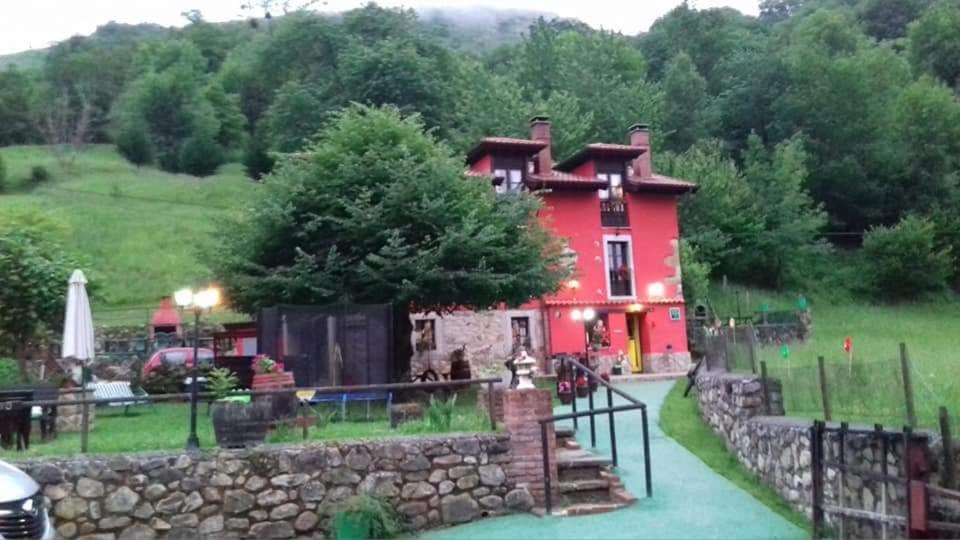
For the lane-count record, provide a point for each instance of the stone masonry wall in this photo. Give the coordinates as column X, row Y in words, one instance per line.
column 279, row 491
column 777, row 449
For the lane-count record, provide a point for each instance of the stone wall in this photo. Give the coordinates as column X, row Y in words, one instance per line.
column 278, row 491
column 486, row 335
column 777, row 449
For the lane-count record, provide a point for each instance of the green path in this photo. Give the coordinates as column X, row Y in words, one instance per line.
column 689, row 500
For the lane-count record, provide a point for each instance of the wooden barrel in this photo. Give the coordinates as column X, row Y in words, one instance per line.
column 241, row 425
column 459, row 369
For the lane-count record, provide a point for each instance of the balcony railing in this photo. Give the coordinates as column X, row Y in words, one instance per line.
column 620, row 283
column 613, row 213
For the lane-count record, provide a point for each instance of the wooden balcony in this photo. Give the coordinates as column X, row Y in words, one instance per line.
column 613, row 213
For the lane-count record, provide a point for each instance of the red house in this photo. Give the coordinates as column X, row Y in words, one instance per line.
column 618, row 220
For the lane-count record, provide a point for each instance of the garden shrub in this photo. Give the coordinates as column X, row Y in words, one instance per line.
column 133, row 143
column 256, row 161
column 3, row 176
column 9, row 373
column 170, row 379
column 38, row 175
column 904, row 261
column 200, row 156
column 384, row 519
column 440, row 413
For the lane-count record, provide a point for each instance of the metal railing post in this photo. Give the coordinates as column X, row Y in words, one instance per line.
column 907, row 386
column 646, row 453
column 613, row 427
column 573, row 403
column 547, row 496
column 766, row 388
column 593, row 424
column 816, row 451
column 824, row 395
column 908, row 476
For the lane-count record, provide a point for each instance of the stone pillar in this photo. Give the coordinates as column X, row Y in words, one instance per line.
column 521, row 411
column 70, row 417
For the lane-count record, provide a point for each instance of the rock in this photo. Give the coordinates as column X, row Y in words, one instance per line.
column 380, row 484
column 272, row 497
column 481, row 492
column 98, row 536
column 47, row 474
column 492, row 502
column 437, row 476
column 138, row 532
column 415, row 462
column 255, row 483
column 192, row 502
column 358, row 459
column 235, row 524
column 159, row 525
column 519, row 500
column 306, row 521
column 171, row 504
column 468, row 482
column 420, row 490
column 86, row 528
column 191, row 484
column 89, row 489
column 341, row 475
column 109, row 523
column 289, row 480
column 313, row 491
column 284, row 511
column 221, row 480
column 461, row 471
column 233, row 466
column 259, row 515
column 272, row 529
column 143, row 511
column 56, row 492
column 868, row 500
column 458, row 508
column 70, row 508
column 208, row 510
column 95, row 511
column 67, row 530
column 411, row 509
column 491, row 475
column 211, row 525
column 418, row 476
column 446, row 487
column 451, row 459
column 185, row 520
column 468, row 447
column 236, row 501
column 211, row 495
column 154, row 492
column 166, row 475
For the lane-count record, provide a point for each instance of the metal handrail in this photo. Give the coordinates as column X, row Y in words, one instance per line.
column 610, row 410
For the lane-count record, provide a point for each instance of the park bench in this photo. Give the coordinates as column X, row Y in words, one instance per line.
column 118, row 390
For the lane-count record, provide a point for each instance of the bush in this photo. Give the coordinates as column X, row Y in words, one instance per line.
column 382, row 517
column 696, row 274
column 170, row 380
column 3, row 176
column 200, row 156
column 38, row 175
column 256, row 161
column 904, row 261
column 134, row 144
column 440, row 413
column 9, row 373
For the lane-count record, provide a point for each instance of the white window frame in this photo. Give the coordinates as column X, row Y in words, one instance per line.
column 607, row 239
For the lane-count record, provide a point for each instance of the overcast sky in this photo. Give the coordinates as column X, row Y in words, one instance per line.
column 31, row 24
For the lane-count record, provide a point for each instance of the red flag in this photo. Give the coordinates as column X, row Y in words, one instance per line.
column 847, row 344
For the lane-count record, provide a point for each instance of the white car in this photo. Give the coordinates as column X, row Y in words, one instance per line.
column 23, row 512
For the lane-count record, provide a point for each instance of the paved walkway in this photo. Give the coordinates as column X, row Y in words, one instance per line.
column 689, row 500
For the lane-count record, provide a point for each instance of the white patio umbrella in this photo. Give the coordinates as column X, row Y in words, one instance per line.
column 78, row 323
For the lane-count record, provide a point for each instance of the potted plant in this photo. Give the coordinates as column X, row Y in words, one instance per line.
column 583, row 387
column 565, row 392
column 363, row 517
column 237, row 423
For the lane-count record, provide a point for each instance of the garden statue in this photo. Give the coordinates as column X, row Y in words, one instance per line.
column 525, row 366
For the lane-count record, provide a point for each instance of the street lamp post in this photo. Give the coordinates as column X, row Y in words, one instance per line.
column 586, row 315
column 198, row 302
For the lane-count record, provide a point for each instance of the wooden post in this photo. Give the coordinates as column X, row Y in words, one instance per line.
column 816, row 451
column 907, row 386
column 753, row 355
column 949, row 466
column 84, row 421
column 824, row 395
column 766, row 387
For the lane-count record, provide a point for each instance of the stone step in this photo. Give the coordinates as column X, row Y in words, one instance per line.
column 575, row 458
column 583, row 485
column 586, row 509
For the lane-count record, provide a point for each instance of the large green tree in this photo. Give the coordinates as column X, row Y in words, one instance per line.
column 377, row 211
column 684, row 103
column 934, row 47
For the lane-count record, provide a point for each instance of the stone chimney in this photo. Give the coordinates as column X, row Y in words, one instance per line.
column 540, row 131
column 640, row 136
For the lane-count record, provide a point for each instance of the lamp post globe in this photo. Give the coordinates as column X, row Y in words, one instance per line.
column 198, row 301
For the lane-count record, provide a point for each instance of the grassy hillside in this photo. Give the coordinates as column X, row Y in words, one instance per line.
column 871, row 390
column 140, row 232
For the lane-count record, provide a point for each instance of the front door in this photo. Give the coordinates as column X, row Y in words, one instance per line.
column 634, row 352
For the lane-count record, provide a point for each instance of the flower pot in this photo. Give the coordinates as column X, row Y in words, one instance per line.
column 241, row 425
column 283, row 405
column 351, row 526
column 617, row 369
column 583, row 390
column 565, row 397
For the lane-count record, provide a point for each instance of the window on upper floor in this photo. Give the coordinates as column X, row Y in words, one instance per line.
column 613, row 173
column 512, row 170
column 619, row 263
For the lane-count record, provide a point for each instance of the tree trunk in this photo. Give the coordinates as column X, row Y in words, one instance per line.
column 402, row 348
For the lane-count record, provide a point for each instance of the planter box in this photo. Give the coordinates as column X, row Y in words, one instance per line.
column 283, row 405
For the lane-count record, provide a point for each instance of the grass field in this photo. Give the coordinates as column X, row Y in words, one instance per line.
column 871, row 389
column 680, row 419
column 141, row 233
column 164, row 426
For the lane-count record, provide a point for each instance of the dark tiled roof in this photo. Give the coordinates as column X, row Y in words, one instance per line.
column 488, row 144
column 599, row 151
column 564, row 179
column 658, row 182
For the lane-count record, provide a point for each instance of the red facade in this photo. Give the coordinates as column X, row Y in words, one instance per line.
column 619, row 223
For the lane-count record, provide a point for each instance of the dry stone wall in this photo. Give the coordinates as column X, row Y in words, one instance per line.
column 777, row 449
column 279, row 491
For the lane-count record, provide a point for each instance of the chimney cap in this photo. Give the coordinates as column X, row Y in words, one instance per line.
column 539, row 119
column 639, row 127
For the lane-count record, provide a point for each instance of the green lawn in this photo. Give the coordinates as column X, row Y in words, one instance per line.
column 140, row 232
column 870, row 390
column 165, row 427
column 680, row 419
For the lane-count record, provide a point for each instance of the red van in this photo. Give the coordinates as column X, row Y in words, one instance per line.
column 176, row 357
